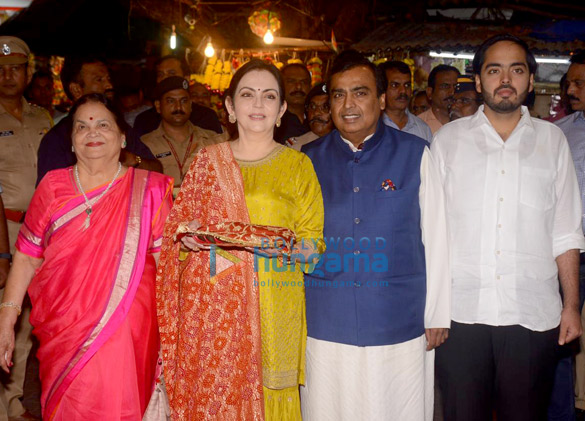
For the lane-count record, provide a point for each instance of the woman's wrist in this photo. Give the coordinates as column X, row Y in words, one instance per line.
column 12, row 306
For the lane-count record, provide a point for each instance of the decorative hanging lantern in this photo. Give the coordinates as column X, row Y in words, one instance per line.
column 258, row 22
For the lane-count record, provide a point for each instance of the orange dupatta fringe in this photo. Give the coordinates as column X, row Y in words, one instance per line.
column 210, row 327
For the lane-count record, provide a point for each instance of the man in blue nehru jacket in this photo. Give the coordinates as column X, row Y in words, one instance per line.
column 378, row 303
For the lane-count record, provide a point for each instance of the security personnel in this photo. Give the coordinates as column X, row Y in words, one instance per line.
column 176, row 140
column 22, row 126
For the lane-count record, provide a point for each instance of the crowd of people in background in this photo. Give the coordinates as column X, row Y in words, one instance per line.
column 442, row 222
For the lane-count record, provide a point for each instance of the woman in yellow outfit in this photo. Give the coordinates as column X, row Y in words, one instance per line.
column 232, row 322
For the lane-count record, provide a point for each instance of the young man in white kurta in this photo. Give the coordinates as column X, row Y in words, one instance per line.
column 514, row 214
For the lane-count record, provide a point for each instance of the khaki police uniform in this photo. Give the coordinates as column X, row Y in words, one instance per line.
column 159, row 146
column 19, row 142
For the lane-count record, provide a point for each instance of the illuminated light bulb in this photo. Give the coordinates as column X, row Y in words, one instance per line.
column 173, row 40
column 209, row 51
column 268, row 37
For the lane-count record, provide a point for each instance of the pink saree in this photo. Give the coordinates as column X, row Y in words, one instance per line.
column 93, row 298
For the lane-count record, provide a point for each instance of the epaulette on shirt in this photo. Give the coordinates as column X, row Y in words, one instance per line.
column 37, row 109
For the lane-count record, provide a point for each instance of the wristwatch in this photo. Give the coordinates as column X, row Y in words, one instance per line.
column 6, row 256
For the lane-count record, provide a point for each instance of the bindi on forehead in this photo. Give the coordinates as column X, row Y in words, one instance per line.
column 91, row 118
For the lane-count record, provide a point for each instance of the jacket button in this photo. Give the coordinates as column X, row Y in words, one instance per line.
column 356, row 189
column 357, row 220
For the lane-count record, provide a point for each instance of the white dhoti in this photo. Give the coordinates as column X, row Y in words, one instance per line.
column 390, row 382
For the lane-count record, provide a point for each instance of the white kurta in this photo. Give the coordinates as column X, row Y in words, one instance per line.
column 513, row 208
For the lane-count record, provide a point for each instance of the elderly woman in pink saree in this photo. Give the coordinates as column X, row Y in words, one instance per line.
column 87, row 254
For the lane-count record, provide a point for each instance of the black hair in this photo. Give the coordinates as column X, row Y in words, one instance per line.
column 258, row 65
column 184, row 65
column 563, row 82
column 292, row 65
column 441, row 68
column 100, row 99
column 128, row 91
column 39, row 74
column 399, row 66
column 479, row 58
column 349, row 59
column 416, row 94
column 71, row 72
column 578, row 58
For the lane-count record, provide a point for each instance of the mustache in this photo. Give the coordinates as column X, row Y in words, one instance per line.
column 402, row 96
column 573, row 97
column 177, row 112
column 319, row 120
column 297, row 93
column 505, row 87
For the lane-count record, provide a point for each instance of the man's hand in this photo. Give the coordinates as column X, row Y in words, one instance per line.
column 128, row 159
column 570, row 325
column 436, row 337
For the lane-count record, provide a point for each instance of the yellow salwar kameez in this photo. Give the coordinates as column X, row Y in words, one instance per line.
column 282, row 190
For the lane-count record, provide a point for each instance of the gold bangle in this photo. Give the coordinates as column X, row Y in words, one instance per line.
column 12, row 305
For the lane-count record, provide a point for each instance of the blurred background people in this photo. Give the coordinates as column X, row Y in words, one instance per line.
column 201, row 116
column 297, row 84
column 440, row 89
column 131, row 103
column 176, row 140
column 200, row 94
column 466, row 100
column 41, row 92
column 318, row 115
column 420, row 103
column 398, row 94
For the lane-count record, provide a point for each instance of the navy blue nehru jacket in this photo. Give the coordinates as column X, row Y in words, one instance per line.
column 370, row 286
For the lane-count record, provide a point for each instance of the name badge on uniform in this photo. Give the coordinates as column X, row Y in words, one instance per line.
column 163, row 154
column 6, row 133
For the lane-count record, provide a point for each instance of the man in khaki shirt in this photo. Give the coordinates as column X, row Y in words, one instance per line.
column 22, row 126
column 176, row 140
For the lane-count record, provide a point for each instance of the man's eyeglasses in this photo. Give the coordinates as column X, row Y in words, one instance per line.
column 462, row 101
column 314, row 107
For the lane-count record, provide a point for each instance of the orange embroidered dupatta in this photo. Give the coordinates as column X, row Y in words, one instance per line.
column 210, row 325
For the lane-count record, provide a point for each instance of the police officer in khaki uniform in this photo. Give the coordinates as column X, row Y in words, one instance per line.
column 22, row 126
column 176, row 140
